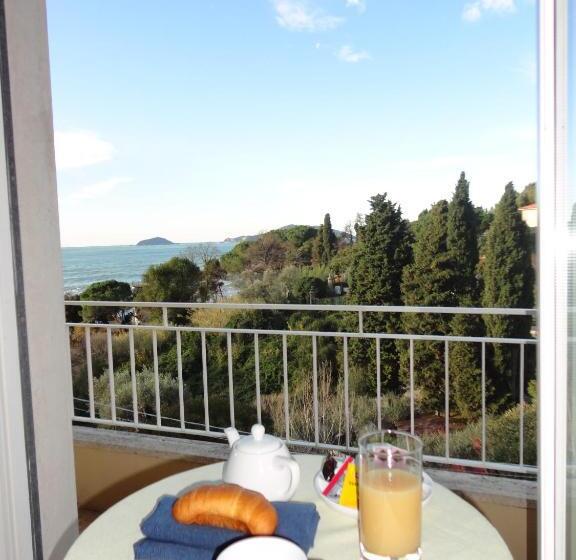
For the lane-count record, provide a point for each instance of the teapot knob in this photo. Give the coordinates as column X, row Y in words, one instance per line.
column 258, row 432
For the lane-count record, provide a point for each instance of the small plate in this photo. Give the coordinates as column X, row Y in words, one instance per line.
column 320, row 484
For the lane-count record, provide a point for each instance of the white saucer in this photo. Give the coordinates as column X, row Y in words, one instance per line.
column 320, row 484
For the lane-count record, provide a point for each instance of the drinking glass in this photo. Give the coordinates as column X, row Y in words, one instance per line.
column 390, row 495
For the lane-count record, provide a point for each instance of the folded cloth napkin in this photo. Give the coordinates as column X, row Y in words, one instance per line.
column 148, row 549
column 297, row 522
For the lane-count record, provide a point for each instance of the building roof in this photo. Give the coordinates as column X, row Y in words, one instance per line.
column 529, row 207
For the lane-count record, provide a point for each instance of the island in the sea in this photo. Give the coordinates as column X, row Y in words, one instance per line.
column 155, row 241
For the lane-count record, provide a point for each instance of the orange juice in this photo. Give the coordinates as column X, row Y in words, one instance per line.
column 390, row 512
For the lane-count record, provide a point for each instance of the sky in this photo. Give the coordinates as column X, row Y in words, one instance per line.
column 197, row 120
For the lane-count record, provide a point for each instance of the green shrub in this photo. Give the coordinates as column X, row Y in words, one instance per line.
column 502, row 438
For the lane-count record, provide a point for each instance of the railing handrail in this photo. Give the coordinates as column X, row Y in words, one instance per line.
column 185, row 427
column 327, row 334
column 314, row 307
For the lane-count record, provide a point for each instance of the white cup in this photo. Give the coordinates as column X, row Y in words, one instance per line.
column 262, row 548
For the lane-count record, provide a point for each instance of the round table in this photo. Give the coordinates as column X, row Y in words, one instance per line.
column 452, row 529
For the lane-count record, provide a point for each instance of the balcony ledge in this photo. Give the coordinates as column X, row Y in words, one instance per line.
column 500, row 490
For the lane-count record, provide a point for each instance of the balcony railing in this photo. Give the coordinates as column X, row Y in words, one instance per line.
column 87, row 410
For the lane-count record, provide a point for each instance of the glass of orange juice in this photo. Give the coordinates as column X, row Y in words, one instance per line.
column 390, row 496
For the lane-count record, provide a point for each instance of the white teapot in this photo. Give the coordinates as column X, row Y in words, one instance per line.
column 261, row 462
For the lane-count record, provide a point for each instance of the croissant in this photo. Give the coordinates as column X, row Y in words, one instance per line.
column 229, row 506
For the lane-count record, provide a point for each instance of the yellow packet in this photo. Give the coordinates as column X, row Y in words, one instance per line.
column 349, row 496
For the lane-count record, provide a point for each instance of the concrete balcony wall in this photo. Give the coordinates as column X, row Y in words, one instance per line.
column 111, row 465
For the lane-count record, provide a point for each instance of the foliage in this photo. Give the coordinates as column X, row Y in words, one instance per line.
column 177, row 280
column 328, row 241
column 508, row 282
column 341, row 263
column 213, row 275
column 462, row 243
column 331, row 411
column 268, row 252
column 296, row 235
column 466, row 367
column 309, row 288
column 107, row 290
column 526, row 196
column 381, row 252
column 462, row 247
column 502, row 438
column 73, row 313
column 235, row 260
column 429, row 281
column 145, row 390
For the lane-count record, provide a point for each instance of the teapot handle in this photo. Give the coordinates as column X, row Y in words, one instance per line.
column 295, row 475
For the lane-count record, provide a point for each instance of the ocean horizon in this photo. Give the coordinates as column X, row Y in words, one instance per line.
column 81, row 266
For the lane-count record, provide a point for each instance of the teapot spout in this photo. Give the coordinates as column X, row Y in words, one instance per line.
column 232, row 435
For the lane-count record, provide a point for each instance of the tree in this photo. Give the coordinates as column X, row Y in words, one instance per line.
column 328, row 240
column 318, row 246
column 177, row 280
column 236, row 260
column 462, row 243
column 73, row 313
column 201, row 253
column 527, row 196
column 309, row 288
column 297, row 235
column 107, row 290
column 466, row 366
column 268, row 252
column 382, row 250
column 429, row 281
column 212, row 279
column 348, row 237
column 508, row 282
column 462, row 246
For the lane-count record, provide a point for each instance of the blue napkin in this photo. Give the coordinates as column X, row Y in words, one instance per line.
column 148, row 549
column 297, row 522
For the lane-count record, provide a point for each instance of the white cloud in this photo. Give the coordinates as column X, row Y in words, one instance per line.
column 471, row 12
column 360, row 5
column 349, row 54
column 97, row 190
column 80, row 148
column 475, row 10
column 299, row 15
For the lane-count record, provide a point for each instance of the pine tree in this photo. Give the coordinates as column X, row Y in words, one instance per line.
column 383, row 249
column 508, row 282
column 328, row 240
column 462, row 246
column 429, row 281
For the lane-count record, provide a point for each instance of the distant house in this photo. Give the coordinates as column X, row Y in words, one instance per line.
column 530, row 215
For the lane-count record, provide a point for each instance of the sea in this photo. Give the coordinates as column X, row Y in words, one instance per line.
column 126, row 263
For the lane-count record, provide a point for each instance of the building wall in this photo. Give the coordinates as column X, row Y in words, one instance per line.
column 530, row 217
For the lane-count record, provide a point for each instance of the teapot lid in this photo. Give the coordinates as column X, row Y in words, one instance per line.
column 258, row 443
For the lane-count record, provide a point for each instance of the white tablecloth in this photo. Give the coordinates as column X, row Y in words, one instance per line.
column 452, row 529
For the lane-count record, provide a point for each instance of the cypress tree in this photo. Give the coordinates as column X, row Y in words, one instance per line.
column 466, row 366
column 383, row 249
column 318, row 246
column 462, row 246
column 508, row 282
column 462, row 242
column 429, row 281
column 328, row 240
